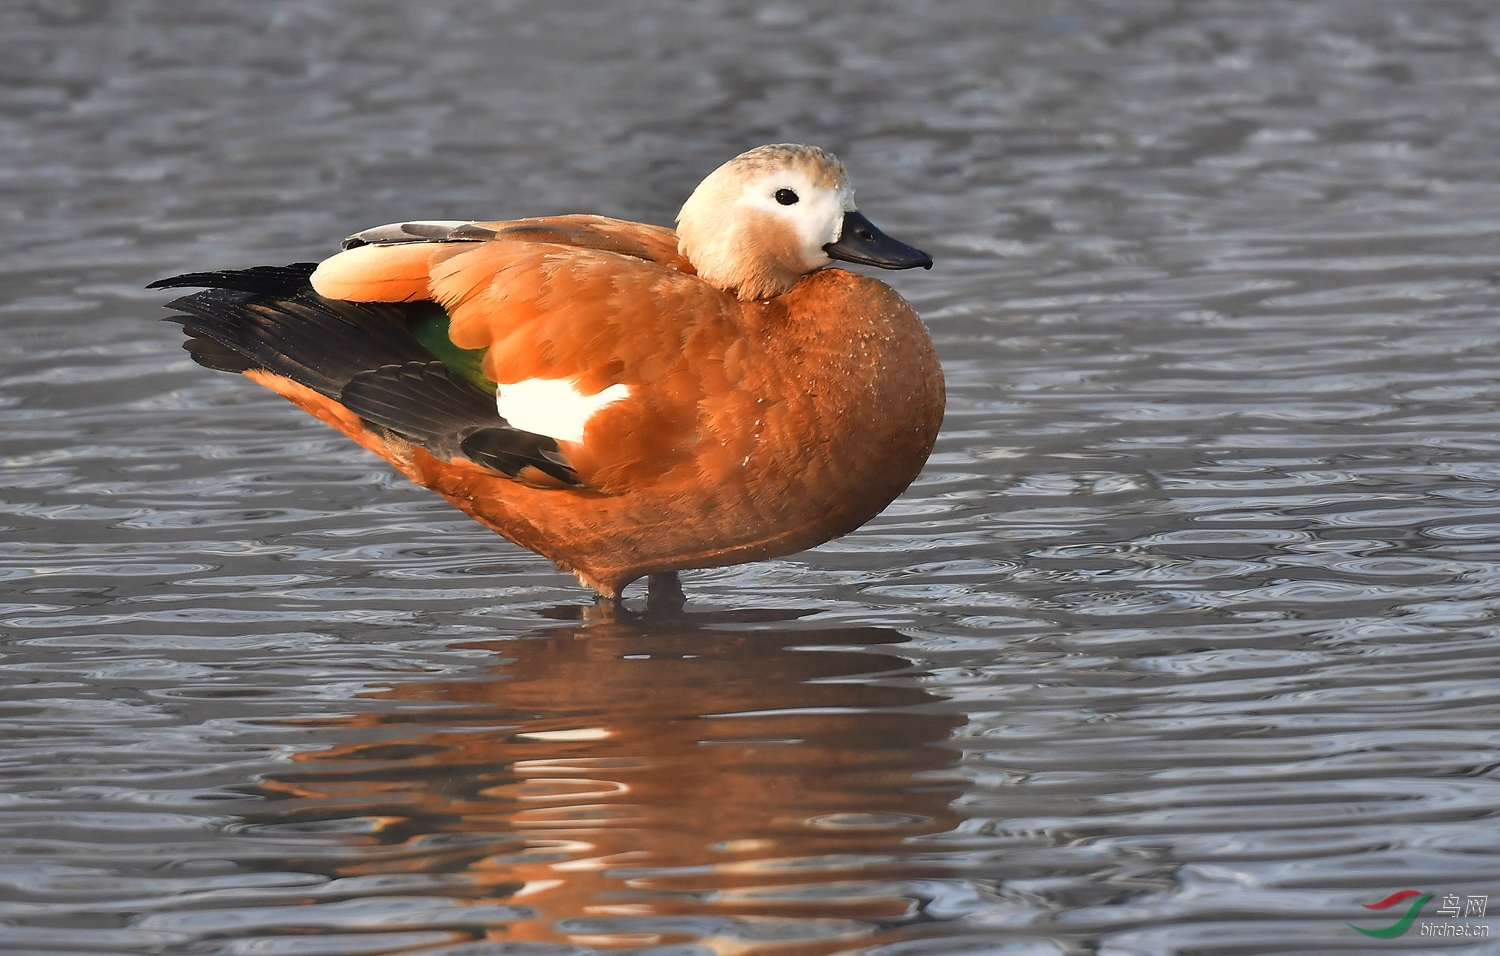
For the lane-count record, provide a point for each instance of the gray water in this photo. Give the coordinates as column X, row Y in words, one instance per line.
column 1185, row 641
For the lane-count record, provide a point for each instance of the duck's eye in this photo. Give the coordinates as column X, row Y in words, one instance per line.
column 786, row 197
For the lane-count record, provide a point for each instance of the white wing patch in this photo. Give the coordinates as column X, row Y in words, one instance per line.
column 553, row 406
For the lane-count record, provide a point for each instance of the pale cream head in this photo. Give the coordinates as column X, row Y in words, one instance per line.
column 759, row 222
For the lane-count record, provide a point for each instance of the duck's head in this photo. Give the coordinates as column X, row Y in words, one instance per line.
column 770, row 216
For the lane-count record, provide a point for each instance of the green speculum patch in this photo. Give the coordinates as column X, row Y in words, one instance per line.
column 429, row 324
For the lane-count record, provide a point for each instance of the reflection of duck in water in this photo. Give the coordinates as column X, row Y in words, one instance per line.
column 622, row 784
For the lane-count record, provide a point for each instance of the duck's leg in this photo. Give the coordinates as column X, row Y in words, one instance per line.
column 664, row 593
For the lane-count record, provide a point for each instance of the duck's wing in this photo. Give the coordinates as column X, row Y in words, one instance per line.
column 593, row 332
column 572, row 351
column 362, row 366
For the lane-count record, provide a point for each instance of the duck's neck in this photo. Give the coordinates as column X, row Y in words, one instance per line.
column 751, row 256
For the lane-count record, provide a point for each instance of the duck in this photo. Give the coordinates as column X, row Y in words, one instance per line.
column 625, row 399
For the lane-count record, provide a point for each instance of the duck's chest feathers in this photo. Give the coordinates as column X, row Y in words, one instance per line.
column 855, row 369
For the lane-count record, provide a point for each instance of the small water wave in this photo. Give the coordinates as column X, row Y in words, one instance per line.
column 1183, row 643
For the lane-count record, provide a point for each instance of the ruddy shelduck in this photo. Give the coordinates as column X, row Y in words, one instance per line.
column 624, row 399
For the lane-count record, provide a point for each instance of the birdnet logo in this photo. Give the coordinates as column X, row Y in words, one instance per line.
column 1452, row 908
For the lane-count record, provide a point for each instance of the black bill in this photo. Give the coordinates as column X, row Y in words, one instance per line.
column 861, row 242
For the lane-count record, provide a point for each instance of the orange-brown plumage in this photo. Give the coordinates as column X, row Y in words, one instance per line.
column 697, row 426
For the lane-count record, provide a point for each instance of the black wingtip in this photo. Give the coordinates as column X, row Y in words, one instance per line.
column 260, row 280
column 216, row 355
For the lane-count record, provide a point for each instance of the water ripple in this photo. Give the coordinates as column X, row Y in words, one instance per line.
column 1185, row 641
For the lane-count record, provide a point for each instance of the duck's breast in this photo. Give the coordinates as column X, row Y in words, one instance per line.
column 856, row 396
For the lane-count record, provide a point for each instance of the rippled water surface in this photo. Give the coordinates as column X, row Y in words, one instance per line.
column 1185, row 642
